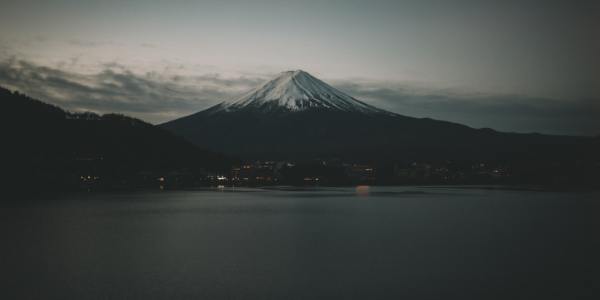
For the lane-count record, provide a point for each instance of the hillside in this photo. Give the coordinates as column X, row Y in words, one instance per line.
column 47, row 145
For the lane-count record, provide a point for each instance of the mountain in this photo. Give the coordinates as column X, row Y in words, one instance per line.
column 295, row 91
column 47, row 146
column 296, row 116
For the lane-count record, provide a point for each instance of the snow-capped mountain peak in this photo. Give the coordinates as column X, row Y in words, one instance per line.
column 297, row 91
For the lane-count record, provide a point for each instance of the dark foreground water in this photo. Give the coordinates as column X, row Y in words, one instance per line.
column 342, row 243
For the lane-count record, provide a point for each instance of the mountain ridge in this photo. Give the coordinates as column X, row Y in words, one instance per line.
column 258, row 125
column 293, row 91
column 51, row 147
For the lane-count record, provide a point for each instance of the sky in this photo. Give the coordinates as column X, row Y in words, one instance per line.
column 524, row 66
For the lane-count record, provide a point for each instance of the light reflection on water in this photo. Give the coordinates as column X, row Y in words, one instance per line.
column 303, row 243
column 362, row 190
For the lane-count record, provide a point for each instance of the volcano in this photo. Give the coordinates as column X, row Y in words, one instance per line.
column 296, row 116
column 295, row 91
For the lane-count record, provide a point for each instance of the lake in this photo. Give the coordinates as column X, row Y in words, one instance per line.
column 321, row 243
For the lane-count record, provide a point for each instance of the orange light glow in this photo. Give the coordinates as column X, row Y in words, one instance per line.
column 362, row 190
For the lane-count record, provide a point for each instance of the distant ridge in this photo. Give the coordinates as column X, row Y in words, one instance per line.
column 297, row 116
column 51, row 148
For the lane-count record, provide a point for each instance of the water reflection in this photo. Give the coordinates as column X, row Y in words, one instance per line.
column 362, row 190
column 312, row 243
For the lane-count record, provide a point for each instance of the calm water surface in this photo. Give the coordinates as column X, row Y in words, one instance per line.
column 337, row 243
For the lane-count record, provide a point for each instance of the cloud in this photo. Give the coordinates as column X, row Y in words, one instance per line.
column 153, row 97
column 148, row 45
column 157, row 97
column 516, row 113
column 89, row 44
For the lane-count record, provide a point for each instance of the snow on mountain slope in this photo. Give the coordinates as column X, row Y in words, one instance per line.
column 297, row 91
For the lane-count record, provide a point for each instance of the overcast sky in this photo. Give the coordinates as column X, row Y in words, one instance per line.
column 511, row 65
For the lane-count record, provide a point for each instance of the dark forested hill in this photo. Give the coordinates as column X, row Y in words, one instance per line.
column 357, row 136
column 47, row 146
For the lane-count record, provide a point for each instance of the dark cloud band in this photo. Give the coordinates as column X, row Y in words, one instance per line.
column 516, row 113
column 150, row 96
